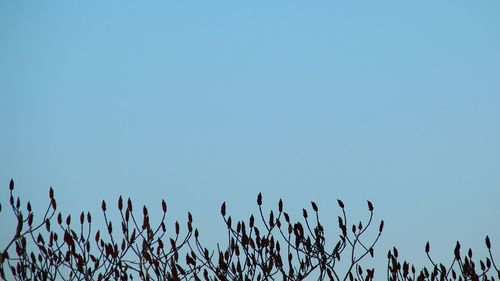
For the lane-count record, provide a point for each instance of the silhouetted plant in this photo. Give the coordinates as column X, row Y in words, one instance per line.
column 269, row 247
column 462, row 267
column 67, row 253
column 287, row 250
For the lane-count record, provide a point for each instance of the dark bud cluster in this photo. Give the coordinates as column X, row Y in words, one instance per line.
column 269, row 245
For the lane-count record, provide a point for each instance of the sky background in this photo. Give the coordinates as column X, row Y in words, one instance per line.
column 201, row 102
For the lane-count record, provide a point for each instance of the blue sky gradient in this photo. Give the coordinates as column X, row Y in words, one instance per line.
column 201, row 102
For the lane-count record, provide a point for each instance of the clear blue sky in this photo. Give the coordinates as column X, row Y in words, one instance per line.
column 208, row 101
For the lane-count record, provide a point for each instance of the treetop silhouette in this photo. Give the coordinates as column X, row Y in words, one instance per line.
column 272, row 246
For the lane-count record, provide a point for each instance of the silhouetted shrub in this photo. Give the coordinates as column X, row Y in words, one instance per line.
column 269, row 247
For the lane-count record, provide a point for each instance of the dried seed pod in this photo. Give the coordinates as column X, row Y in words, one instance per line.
column 370, row 206
column 223, row 209
column 120, row 203
column 164, row 206
column 314, row 206
column 341, row 204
